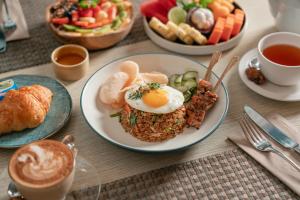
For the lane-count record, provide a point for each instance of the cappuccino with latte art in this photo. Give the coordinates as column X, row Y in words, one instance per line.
column 43, row 170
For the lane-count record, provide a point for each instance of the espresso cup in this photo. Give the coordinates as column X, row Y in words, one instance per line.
column 44, row 170
column 65, row 67
column 277, row 73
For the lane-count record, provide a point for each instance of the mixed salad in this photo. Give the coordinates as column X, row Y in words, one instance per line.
column 194, row 21
column 91, row 16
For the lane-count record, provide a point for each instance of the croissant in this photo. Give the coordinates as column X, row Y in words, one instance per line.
column 24, row 108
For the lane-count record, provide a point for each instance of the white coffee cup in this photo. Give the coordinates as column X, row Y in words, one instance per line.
column 56, row 191
column 274, row 72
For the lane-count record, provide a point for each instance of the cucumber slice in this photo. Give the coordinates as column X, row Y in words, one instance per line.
column 172, row 80
column 123, row 15
column 187, row 96
column 178, row 80
column 102, row 30
column 70, row 27
column 81, row 30
column 190, row 75
column 116, row 23
column 182, row 88
column 190, row 83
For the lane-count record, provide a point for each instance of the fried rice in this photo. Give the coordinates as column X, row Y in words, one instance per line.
column 152, row 127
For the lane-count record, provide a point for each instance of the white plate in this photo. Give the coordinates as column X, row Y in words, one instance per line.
column 97, row 115
column 269, row 89
column 193, row 49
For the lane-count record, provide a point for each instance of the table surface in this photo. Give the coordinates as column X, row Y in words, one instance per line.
column 113, row 162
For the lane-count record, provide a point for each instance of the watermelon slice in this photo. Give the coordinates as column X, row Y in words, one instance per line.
column 167, row 4
column 156, row 8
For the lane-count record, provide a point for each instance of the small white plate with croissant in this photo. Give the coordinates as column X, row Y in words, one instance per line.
column 38, row 108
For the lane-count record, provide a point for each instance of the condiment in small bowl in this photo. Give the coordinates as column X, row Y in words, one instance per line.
column 70, row 62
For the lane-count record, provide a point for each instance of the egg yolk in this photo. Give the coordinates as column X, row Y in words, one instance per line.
column 155, row 98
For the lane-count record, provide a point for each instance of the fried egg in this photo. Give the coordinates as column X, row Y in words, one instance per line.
column 162, row 100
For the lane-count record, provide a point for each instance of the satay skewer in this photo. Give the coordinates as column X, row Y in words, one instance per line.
column 214, row 60
column 230, row 65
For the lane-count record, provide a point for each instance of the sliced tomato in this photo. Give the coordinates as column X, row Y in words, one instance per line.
column 81, row 23
column 63, row 20
column 96, row 10
column 88, row 12
column 112, row 12
column 75, row 16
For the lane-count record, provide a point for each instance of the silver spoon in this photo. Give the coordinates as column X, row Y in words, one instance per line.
column 254, row 63
column 13, row 192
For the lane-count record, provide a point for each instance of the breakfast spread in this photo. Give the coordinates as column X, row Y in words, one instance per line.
column 194, row 22
column 94, row 17
column 24, row 108
column 154, row 107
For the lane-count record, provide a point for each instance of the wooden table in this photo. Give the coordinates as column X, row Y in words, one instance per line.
column 113, row 162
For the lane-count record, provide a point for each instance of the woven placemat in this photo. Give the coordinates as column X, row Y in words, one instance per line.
column 230, row 175
column 37, row 49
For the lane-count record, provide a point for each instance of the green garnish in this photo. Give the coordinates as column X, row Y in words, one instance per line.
column 188, row 6
column 168, row 129
column 138, row 94
column 204, row 3
column 88, row 3
column 135, row 95
column 154, row 118
column 132, row 119
column 153, row 86
column 116, row 114
column 178, row 121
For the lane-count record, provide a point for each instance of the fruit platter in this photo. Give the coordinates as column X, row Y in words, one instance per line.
column 194, row 27
column 93, row 24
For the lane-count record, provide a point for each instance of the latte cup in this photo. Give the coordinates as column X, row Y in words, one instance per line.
column 44, row 170
column 279, row 74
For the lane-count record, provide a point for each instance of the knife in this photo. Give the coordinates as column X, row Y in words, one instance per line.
column 271, row 130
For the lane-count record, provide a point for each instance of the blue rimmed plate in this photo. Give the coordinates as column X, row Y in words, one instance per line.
column 98, row 116
column 56, row 118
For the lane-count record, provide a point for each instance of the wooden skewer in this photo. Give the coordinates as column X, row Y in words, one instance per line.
column 214, row 60
column 230, row 65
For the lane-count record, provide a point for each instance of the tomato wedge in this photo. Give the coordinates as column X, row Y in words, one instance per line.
column 63, row 20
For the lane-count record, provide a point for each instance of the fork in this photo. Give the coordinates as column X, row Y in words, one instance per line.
column 9, row 24
column 258, row 140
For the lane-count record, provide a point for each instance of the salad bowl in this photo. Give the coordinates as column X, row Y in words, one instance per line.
column 91, row 41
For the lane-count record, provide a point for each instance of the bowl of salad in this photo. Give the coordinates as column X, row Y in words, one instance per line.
column 94, row 24
column 194, row 27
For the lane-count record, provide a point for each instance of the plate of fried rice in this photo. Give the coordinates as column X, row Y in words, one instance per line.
column 154, row 102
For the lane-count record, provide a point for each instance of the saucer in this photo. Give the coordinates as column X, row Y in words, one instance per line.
column 268, row 89
column 86, row 183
